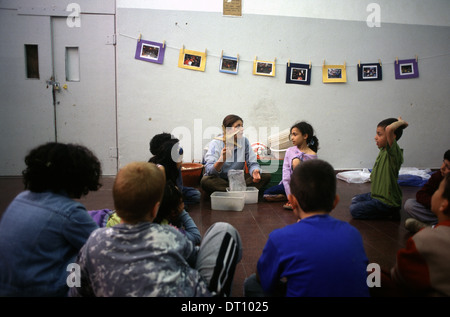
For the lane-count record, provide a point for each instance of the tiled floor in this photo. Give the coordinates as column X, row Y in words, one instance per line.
column 381, row 239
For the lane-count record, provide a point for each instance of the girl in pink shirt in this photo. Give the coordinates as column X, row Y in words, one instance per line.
column 305, row 146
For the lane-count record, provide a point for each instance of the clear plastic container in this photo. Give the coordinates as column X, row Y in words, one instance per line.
column 251, row 194
column 227, row 201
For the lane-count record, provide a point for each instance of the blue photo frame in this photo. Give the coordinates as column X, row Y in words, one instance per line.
column 229, row 64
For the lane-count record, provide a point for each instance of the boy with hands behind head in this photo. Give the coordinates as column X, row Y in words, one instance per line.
column 385, row 197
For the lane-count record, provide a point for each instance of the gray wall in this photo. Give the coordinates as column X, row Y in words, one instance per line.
column 153, row 98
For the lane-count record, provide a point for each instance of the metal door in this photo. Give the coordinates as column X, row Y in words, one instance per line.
column 26, row 105
column 85, row 98
column 69, row 93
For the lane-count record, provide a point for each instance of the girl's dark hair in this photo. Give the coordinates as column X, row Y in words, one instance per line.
column 229, row 120
column 447, row 155
column 157, row 141
column 398, row 132
column 164, row 156
column 313, row 184
column 305, row 128
column 59, row 167
column 172, row 198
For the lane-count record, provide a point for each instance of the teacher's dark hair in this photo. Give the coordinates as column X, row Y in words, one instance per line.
column 62, row 168
column 229, row 120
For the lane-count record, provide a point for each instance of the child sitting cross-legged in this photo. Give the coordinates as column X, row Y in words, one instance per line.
column 318, row 255
column 140, row 258
column 385, row 197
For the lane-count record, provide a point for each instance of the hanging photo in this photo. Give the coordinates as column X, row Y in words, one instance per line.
column 263, row 68
column 298, row 74
column 334, row 74
column 369, row 72
column 192, row 60
column 406, row 68
column 229, row 65
column 150, row 51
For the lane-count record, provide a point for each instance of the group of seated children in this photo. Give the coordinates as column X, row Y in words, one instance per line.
column 45, row 229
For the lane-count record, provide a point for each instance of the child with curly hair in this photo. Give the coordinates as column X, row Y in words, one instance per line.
column 43, row 228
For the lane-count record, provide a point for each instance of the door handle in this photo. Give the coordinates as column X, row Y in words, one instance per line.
column 51, row 82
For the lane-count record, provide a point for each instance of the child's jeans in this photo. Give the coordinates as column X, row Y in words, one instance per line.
column 190, row 195
column 363, row 206
column 275, row 190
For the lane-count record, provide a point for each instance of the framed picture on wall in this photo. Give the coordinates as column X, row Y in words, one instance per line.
column 369, row 72
column 406, row 68
column 229, row 64
column 298, row 74
column 150, row 51
column 263, row 68
column 334, row 73
column 193, row 60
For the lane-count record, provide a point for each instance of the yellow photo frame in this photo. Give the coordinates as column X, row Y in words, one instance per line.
column 264, row 68
column 334, row 73
column 193, row 60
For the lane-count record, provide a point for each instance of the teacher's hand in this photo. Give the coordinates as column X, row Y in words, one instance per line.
column 226, row 152
column 256, row 176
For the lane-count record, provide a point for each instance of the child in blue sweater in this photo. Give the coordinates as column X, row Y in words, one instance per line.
column 318, row 255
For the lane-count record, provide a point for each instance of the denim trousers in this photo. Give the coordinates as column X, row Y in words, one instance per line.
column 364, row 206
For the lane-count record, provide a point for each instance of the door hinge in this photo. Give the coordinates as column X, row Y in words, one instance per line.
column 111, row 39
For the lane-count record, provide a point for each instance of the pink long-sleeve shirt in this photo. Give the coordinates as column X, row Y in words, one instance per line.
column 292, row 153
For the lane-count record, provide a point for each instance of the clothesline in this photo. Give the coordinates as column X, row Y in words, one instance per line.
column 246, row 60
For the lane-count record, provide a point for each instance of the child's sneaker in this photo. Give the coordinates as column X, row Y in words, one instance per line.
column 414, row 225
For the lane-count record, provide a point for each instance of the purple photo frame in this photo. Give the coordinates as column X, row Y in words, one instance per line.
column 150, row 51
column 406, row 68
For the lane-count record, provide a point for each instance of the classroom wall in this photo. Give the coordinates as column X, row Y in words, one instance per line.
column 152, row 98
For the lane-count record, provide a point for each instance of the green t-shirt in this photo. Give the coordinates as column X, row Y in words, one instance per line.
column 384, row 176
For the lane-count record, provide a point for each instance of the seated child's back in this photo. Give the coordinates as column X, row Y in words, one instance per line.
column 138, row 257
column 319, row 255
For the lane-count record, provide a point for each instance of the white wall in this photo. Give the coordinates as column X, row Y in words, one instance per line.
column 153, row 98
column 419, row 12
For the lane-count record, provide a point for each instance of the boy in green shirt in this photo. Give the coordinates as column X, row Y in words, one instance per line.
column 385, row 197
